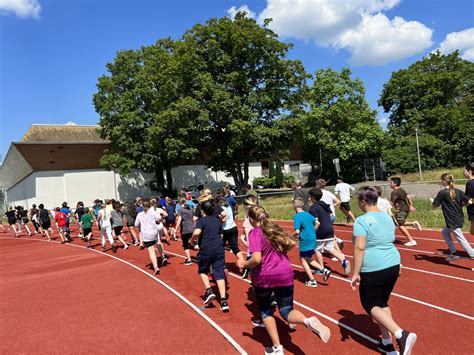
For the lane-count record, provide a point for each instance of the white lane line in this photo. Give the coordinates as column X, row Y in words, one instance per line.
column 406, row 298
column 165, row 285
column 428, row 272
column 355, row 331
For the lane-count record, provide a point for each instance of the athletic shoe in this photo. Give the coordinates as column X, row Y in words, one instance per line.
column 125, row 247
column 258, row 323
column 209, row 296
column 318, row 328
column 292, row 326
column 103, row 249
column 63, row 242
column 311, row 283
column 136, row 243
column 157, row 271
column 411, row 243
column 164, row 261
column 326, row 274
column 274, row 350
column 224, row 305
column 417, row 225
column 114, row 248
column 334, row 258
column 346, row 265
column 244, row 274
column 453, row 257
column 406, row 342
column 188, row 262
column 89, row 245
column 317, row 272
column 385, row 348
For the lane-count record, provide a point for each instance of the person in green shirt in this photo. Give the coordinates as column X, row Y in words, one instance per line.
column 86, row 221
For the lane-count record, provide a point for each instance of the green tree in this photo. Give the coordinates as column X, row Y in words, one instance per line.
column 279, row 173
column 339, row 121
column 435, row 94
column 236, row 70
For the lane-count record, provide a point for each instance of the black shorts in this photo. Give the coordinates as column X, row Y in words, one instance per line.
column 231, row 236
column 118, row 230
column 130, row 224
column 346, row 206
column 401, row 217
column 149, row 244
column 87, row 231
column 217, row 261
column 46, row 224
column 25, row 220
column 375, row 287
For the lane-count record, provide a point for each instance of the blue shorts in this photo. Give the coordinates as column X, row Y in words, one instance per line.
column 217, row 261
column 282, row 295
column 307, row 254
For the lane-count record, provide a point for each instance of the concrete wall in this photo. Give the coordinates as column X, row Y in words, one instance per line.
column 53, row 187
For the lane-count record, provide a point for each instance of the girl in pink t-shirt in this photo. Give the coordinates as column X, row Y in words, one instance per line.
column 272, row 274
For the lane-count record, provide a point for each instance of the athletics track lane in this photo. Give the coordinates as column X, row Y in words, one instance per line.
column 56, row 298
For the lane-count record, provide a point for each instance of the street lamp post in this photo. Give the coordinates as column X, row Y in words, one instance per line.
column 418, row 152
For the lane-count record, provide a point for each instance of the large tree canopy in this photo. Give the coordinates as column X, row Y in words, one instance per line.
column 238, row 73
column 435, row 94
column 339, row 121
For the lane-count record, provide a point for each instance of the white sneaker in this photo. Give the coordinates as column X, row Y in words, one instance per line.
column 411, row 244
column 274, row 350
column 417, row 225
column 334, row 258
column 292, row 326
column 318, row 328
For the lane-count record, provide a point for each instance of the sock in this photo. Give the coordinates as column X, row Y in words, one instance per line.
column 306, row 321
column 160, row 250
column 398, row 333
column 386, row 341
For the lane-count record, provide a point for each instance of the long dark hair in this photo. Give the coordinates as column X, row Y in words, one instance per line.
column 131, row 209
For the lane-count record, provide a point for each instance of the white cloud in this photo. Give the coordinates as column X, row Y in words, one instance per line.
column 462, row 41
column 244, row 8
column 378, row 40
column 22, row 8
column 358, row 26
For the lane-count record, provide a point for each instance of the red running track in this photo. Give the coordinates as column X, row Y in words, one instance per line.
column 87, row 295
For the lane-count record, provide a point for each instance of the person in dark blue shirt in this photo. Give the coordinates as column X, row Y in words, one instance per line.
column 232, row 202
column 66, row 210
column 325, row 229
column 211, row 253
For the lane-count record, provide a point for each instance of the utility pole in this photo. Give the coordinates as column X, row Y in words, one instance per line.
column 418, row 152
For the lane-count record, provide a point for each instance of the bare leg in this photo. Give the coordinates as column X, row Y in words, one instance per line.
column 125, row 246
column 221, row 287
column 188, row 254
column 307, row 269
column 152, row 254
column 205, row 281
column 384, row 319
column 405, row 232
column 270, row 326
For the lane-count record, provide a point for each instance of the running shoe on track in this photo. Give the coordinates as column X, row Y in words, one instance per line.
column 411, row 243
column 209, row 296
column 346, row 265
column 316, row 272
column 274, row 350
column 114, row 248
column 326, row 274
column 224, row 305
column 406, row 342
column 157, row 271
column 387, row 349
column 311, row 283
column 164, row 261
column 453, row 257
column 188, row 262
column 258, row 323
column 318, row 328
column 417, row 225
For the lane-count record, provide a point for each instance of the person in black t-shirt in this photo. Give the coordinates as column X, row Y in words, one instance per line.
column 451, row 201
column 11, row 217
column 44, row 218
column 469, row 174
column 211, row 253
column 78, row 213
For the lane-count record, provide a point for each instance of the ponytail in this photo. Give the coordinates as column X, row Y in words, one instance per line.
column 280, row 240
column 448, row 179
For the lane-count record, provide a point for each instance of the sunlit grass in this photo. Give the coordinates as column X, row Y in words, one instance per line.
column 432, row 175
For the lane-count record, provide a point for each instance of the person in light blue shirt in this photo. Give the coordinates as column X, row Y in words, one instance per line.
column 304, row 226
column 376, row 269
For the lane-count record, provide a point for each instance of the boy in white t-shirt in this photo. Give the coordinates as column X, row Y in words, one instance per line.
column 383, row 204
column 344, row 191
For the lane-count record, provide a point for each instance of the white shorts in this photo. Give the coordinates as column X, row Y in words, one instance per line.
column 325, row 246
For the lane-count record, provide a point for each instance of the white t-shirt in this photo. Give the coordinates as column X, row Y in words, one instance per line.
column 384, row 205
column 329, row 197
column 344, row 191
column 147, row 223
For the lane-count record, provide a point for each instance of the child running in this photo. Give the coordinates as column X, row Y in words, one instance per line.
column 117, row 222
column 403, row 206
column 147, row 222
column 344, row 191
column 86, row 223
column 11, row 217
column 451, row 201
column 61, row 224
column 211, row 253
column 304, row 226
column 185, row 225
column 272, row 274
column 170, row 219
column 325, row 230
column 130, row 214
column 104, row 221
column 45, row 222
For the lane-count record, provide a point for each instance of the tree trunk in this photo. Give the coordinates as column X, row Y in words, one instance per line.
column 169, row 181
column 246, row 174
column 160, row 181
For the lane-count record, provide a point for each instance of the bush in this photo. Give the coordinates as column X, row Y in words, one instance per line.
column 288, row 180
column 265, row 182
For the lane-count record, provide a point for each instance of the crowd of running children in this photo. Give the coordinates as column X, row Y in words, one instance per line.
column 210, row 224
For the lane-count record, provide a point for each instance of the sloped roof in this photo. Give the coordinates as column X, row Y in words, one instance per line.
column 62, row 134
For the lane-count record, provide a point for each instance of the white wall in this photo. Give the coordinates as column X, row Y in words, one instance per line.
column 54, row 187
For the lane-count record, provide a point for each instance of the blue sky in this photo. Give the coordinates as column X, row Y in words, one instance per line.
column 52, row 52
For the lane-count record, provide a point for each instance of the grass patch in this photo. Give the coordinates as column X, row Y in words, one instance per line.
column 432, row 175
column 280, row 207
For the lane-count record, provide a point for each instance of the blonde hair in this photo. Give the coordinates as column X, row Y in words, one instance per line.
column 205, row 195
column 280, row 240
column 448, row 178
column 298, row 202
